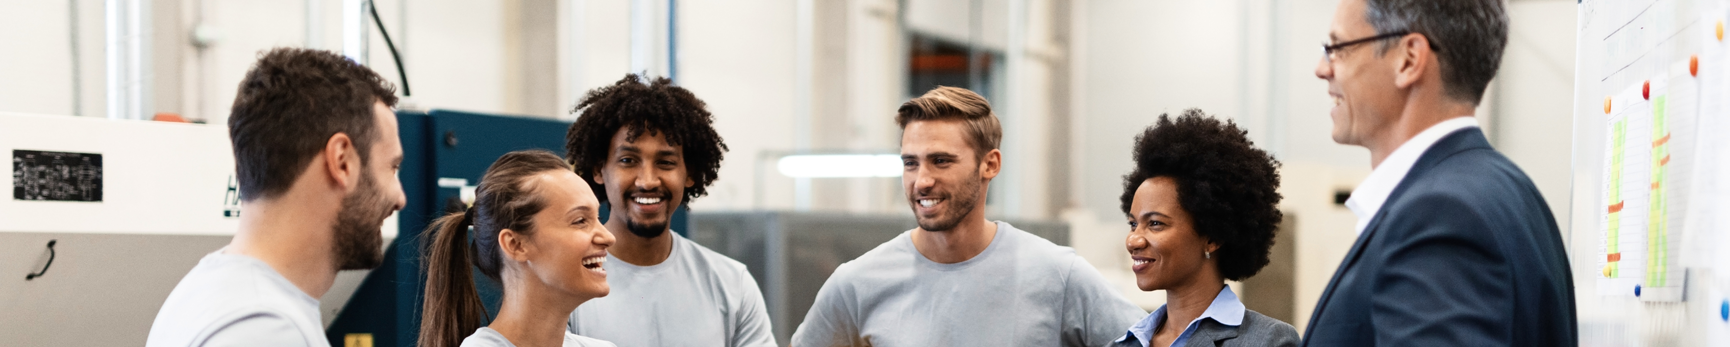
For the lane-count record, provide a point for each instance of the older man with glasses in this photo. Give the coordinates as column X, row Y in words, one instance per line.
column 1455, row 245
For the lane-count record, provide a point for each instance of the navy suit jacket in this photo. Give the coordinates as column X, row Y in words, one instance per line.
column 1463, row 253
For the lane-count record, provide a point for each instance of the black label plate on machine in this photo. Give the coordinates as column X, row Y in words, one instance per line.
column 56, row 176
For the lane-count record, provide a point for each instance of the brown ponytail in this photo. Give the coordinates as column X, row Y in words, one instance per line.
column 504, row 200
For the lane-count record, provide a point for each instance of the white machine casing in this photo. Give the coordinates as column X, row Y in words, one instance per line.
column 166, row 202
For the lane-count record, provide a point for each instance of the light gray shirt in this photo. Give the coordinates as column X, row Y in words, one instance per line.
column 236, row 300
column 694, row 298
column 1021, row 291
column 487, row 337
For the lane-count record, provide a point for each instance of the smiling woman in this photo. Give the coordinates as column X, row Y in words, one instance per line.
column 1202, row 207
column 536, row 231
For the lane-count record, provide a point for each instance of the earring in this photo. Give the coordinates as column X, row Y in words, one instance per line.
column 1207, row 255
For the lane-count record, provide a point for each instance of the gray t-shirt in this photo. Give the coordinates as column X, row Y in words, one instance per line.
column 1021, row 291
column 236, row 300
column 694, row 298
column 487, row 337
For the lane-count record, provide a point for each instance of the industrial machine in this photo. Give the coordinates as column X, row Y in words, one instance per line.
column 103, row 219
column 106, row 216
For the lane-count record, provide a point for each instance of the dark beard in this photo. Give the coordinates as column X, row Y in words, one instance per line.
column 963, row 200
column 648, row 231
column 645, row 231
column 357, row 244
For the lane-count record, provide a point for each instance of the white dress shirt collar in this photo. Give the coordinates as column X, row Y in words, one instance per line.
column 1369, row 196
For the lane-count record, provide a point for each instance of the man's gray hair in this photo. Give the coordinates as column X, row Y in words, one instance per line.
column 1468, row 37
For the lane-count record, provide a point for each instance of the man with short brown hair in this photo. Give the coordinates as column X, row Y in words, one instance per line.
column 959, row 279
column 316, row 153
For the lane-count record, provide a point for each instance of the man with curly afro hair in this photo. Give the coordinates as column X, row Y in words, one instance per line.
column 1203, row 208
column 651, row 147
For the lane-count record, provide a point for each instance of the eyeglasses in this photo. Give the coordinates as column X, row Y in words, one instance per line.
column 1329, row 52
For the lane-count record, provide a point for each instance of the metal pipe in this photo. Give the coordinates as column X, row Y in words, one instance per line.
column 1276, row 86
column 975, row 54
column 673, row 40
column 354, row 33
column 643, row 37
column 77, row 59
column 315, row 24
column 128, row 55
column 804, row 50
column 574, row 53
column 1016, row 118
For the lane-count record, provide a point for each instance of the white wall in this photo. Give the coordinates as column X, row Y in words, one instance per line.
column 47, row 93
column 456, row 50
column 36, row 57
column 738, row 57
column 1136, row 68
column 1534, row 98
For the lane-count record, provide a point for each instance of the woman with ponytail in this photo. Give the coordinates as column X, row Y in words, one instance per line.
column 534, row 228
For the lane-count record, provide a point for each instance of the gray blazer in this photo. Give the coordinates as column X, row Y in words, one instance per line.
column 1257, row 330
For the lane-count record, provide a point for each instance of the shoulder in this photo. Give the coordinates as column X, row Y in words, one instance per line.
column 1473, row 186
column 574, row 340
column 897, row 253
column 487, row 337
column 1024, row 244
column 260, row 328
column 1477, row 173
column 1261, row 330
column 709, row 261
column 1041, row 253
column 225, row 298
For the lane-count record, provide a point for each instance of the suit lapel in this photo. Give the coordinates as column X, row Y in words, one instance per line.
column 1210, row 333
column 1351, row 258
column 1455, row 142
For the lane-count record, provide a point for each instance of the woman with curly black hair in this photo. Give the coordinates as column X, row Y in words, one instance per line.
column 1202, row 207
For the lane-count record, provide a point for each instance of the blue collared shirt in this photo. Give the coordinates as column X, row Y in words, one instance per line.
column 1225, row 309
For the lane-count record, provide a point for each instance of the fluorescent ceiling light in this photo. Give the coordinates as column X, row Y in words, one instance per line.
column 840, row 165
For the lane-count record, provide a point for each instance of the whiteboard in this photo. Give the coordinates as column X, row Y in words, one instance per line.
column 1651, row 126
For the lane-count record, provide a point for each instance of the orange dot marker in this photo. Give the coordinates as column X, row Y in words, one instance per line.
column 1720, row 29
column 1694, row 65
column 1646, row 90
column 1606, row 105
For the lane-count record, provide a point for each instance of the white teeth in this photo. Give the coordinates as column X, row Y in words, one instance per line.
column 648, row 201
column 1139, row 262
column 593, row 261
column 927, row 202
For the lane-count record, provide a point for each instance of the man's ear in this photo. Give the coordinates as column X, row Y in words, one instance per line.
column 991, row 164
column 342, row 161
column 1412, row 60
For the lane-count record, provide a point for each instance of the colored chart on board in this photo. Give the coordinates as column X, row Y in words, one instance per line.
column 1651, row 173
column 1657, row 233
column 1626, row 188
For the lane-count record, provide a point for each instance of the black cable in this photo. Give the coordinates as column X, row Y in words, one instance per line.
column 399, row 71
